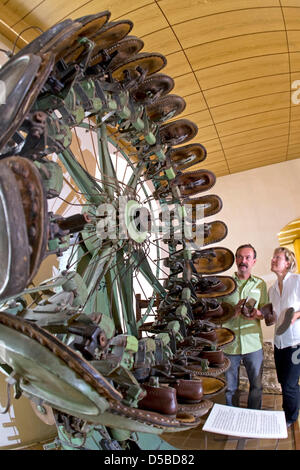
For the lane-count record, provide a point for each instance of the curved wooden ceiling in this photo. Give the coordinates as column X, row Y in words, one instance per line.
column 233, row 61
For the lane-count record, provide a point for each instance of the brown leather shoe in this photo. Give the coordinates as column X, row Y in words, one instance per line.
column 213, row 260
column 211, row 204
column 194, row 182
column 211, row 335
column 152, row 88
column 177, row 132
column 161, row 399
column 215, row 358
column 247, row 308
column 269, row 314
column 166, row 108
column 186, row 156
column 188, row 391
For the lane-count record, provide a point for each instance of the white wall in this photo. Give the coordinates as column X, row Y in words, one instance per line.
column 257, row 204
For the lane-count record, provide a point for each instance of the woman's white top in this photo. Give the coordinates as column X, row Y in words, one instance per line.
column 290, row 297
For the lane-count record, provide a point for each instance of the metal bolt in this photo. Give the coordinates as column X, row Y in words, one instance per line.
column 41, row 409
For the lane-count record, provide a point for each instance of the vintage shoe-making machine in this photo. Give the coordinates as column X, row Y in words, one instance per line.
column 101, row 182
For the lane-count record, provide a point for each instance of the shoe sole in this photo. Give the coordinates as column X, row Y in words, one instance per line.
column 286, row 322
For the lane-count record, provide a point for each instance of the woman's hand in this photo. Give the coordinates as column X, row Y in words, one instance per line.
column 295, row 317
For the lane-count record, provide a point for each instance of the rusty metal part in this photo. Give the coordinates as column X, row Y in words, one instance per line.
column 44, row 412
column 63, row 352
column 15, row 251
column 130, row 417
column 24, row 101
column 93, row 339
column 35, row 207
column 74, row 223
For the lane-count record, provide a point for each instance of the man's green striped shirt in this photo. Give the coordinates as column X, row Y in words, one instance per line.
column 248, row 332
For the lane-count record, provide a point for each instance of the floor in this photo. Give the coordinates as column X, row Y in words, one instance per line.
column 196, row 439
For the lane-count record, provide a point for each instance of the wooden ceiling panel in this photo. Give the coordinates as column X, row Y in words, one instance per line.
column 244, row 69
column 289, row 3
column 234, row 49
column 215, row 157
column 228, row 25
column 202, row 119
column 177, row 65
column 185, row 84
column 49, row 12
column 212, row 146
column 163, row 41
column 258, row 155
column 218, row 168
column 253, row 165
column 295, row 112
column 295, row 61
column 155, row 19
column 233, row 61
column 254, row 121
column 20, row 9
column 293, row 152
column 294, row 138
column 255, row 147
column 205, row 134
column 254, row 135
column 291, row 18
column 11, row 16
column 194, row 103
column 261, row 104
column 247, row 89
column 177, row 12
column 293, row 40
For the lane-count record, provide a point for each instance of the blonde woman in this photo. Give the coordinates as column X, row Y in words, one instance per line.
column 285, row 298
